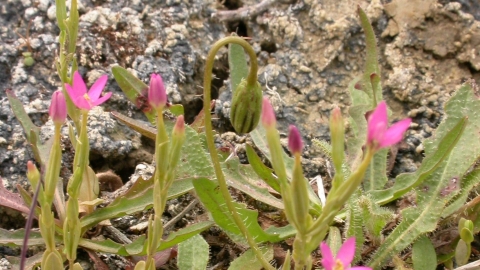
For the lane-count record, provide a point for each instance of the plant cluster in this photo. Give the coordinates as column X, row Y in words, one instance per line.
column 443, row 187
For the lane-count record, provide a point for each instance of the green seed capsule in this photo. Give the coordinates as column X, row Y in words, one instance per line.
column 246, row 107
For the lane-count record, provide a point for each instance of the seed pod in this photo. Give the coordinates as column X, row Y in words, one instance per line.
column 246, row 107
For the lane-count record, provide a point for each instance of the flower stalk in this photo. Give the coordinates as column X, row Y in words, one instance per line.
column 251, row 81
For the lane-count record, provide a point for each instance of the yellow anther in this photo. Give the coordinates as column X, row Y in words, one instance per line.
column 338, row 265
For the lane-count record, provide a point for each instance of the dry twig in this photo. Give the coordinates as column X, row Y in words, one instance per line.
column 243, row 13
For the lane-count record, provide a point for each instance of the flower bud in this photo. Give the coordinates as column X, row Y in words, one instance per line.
column 246, row 107
column 157, row 96
column 58, row 108
column 295, row 144
column 33, row 174
column 337, row 133
column 179, row 128
column 268, row 114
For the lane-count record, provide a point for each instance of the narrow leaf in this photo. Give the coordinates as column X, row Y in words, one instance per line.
column 135, row 90
column 15, row 238
column 244, row 178
column 12, row 200
column 212, row 199
column 138, row 198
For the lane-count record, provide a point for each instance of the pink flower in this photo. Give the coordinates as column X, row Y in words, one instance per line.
column 379, row 134
column 157, row 96
column 295, row 144
column 343, row 259
column 80, row 97
column 58, row 108
column 268, row 114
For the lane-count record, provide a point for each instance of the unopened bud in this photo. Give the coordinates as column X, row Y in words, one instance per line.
column 179, row 128
column 157, row 96
column 33, row 174
column 295, row 143
column 268, row 114
column 246, row 107
column 58, row 108
column 337, row 133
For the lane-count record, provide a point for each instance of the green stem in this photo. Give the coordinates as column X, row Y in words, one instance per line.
column 80, row 160
column 335, row 201
column 53, row 168
column 251, row 80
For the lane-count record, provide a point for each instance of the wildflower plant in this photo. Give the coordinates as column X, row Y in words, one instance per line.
column 442, row 185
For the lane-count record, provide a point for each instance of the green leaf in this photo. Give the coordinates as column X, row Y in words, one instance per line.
column 138, row 198
column 210, row 196
column 355, row 223
column 376, row 175
column 15, row 238
column 261, row 170
column 249, row 260
column 237, row 62
column 375, row 218
column 244, row 178
column 469, row 182
column 423, row 254
column 334, row 240
column 176, row 109
column 371, row 62
column 31, row 131
column 193, row 254
column 135, row 90
column 461, row 253
column 137, row 247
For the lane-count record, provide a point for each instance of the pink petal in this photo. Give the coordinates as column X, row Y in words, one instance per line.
column 360, row 268
column 79, row 87
column 82, row 103
column 97, row 88
column 328, row 261
column 295, row 143
column 378, row 116
column 157, row 95
column 58, row 108
column 70, row 92
column 347, row 252
column 395, row 133
column 102, row 99
column 268, row 114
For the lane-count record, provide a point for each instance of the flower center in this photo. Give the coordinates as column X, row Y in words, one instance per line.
column 87, row 98
column 338, row 265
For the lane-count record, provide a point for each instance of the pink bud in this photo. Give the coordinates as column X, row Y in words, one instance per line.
column 179, row 125
column 295, row 143
column 33, row 174
column 58, row 108
column 157, row 96
column 268, row 114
